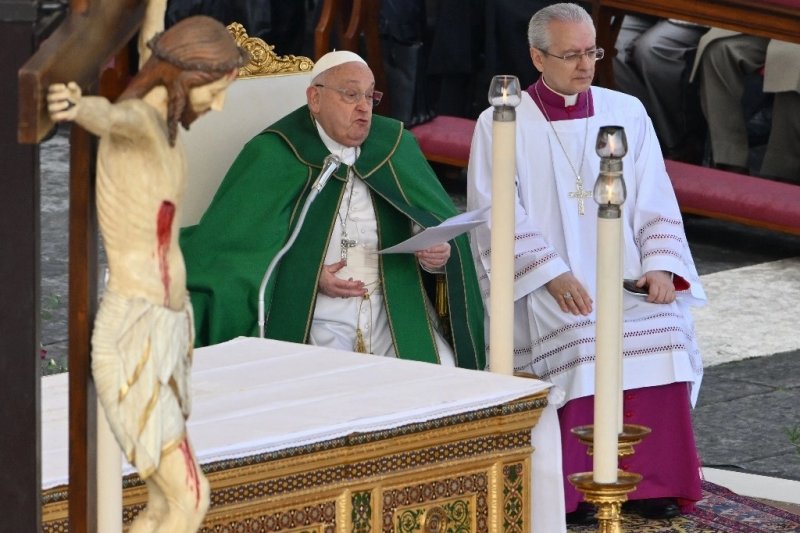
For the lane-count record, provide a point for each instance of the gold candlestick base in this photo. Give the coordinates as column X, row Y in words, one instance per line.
column 632, row 434
column 607, row 497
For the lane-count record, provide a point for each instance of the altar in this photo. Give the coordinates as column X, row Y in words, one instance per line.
column 301, row 438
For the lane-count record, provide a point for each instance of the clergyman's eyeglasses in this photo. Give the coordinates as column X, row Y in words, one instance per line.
column 352, row 96
column 574, row 58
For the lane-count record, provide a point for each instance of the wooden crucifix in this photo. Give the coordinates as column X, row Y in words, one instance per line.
column 94, row 32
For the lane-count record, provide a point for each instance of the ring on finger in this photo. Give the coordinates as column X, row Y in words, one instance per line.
column 567, row 295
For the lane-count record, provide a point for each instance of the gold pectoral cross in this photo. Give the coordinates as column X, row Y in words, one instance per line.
column 580, row 194
column 346, row 243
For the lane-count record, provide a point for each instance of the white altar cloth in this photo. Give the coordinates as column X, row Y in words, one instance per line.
column 252, row 396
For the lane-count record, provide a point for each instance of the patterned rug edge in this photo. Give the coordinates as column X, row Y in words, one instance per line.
column 720, row 511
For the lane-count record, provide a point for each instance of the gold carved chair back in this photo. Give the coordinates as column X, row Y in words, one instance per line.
column 268, row 87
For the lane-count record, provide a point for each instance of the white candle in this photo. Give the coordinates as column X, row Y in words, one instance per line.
column 505, row 99
column 501, row 292
column 612, row 145
column 621, row 363
column 504, row 95
column 109, row 477
column 608, row 344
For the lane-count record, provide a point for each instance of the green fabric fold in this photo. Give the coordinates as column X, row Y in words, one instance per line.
column 256, row 208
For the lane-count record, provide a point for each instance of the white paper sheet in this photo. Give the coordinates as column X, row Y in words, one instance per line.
column 447, row 230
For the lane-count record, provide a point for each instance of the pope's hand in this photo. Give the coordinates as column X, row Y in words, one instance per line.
column 63, row 101
column 570, row 294
column 435, row 257
column 660, row 289
column 335, row 287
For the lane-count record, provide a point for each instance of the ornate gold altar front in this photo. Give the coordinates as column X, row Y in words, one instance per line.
column 467, row 473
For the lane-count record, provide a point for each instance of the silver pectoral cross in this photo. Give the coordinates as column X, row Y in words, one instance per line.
column 346, row 243
column 580, row 194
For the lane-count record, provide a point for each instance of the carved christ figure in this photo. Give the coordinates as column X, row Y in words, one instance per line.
column 143, row 334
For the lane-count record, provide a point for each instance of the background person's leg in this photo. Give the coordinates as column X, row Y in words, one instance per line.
column 626, row 75
column 724, row 66
column 782, row 158
column 663, row 58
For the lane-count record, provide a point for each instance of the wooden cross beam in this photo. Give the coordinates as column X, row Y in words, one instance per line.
column 20, row 472
column 93, row 33
column 77, row 51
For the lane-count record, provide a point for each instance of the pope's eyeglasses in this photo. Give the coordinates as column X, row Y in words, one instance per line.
column 351, row 96
column 574, row 58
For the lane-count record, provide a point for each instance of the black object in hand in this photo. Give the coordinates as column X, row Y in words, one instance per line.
column 630, row 286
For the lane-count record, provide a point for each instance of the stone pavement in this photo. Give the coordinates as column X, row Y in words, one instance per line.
column 749, row 333
column 743, row 414
column 750, row 341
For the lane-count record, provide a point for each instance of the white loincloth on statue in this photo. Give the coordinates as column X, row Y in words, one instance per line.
column 141, row 364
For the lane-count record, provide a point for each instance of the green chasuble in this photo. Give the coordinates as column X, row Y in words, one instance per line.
column 256, row 208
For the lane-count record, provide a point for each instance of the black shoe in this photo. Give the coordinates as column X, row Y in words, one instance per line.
column 793, row 181
column 733, row 168
column 654, row 508
column 689, row 152
column 582, row 516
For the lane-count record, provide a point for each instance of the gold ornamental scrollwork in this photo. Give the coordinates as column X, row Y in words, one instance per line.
column 263, row 61
column 435, row 520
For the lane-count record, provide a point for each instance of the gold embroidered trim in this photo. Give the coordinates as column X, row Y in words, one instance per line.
column 126, row 387
column 151, row 405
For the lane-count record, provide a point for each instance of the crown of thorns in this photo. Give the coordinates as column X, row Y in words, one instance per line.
column 222, row 66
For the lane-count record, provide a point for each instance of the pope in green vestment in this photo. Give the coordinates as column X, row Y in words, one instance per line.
column 255, row 210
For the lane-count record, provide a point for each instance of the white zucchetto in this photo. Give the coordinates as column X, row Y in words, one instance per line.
column 334, row 59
